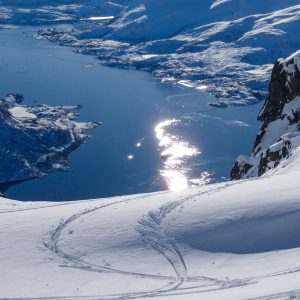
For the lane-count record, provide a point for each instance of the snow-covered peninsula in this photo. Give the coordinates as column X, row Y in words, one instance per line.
column 36, row 140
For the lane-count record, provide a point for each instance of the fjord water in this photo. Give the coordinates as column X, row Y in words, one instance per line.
column 153, row 137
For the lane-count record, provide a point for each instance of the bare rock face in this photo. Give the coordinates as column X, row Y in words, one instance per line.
column 36, row 140
column 280, row 115
column 284, row 87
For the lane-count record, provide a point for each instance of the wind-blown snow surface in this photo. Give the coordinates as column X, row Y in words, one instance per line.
column 236, row 240
column 226, row 47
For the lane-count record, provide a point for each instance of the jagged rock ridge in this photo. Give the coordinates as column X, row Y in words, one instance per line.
column 280, row 133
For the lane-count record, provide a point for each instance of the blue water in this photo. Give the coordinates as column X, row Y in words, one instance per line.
column 123, row 156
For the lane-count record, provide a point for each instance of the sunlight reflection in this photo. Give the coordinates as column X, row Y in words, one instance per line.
column 205, row 178
column 176, row 180
column 175, row 153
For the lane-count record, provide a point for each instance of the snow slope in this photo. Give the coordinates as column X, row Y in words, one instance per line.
column 236, row 240
column 225, row 47
column 48, row 11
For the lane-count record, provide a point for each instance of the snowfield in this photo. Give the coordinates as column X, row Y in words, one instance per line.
column 236, row 240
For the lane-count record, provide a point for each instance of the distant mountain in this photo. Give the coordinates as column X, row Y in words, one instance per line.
column 155, row 19
column 226, row 47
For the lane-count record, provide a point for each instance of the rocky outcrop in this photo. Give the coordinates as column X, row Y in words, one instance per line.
column 280, row 132
column 36, row 140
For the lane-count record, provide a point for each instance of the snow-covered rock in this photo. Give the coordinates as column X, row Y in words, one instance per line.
column 36, row 140
column 280, row 133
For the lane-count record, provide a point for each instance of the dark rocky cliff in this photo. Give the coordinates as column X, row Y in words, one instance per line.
column 280, row 116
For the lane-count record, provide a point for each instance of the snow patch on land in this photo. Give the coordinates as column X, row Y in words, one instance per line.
column 20, row 112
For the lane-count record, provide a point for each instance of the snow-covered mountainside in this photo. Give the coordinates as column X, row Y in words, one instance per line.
column 279, row 136
column 49, row 11
column 235, row 241
column 225, row 47
column 36, row 140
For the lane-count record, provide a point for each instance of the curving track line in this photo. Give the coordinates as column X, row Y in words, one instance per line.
column 151, row 228
column 154, row 233
column 76, row 262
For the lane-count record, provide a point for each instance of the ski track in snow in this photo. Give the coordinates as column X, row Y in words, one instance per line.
column 151, row 228
column 76, row 262
column 153, row 231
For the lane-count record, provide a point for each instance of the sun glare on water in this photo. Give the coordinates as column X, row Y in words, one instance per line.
column 175, row 151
